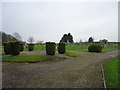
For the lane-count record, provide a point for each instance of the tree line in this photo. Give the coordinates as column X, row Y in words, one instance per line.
column 66, row 38
column 15, row 37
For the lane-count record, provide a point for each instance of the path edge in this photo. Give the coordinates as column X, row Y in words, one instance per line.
column 103, row 76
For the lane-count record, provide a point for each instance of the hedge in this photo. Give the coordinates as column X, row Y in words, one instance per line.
column 61, row 48
column 50, row 48
column 95, row 48
column 7, row 48
column 15, row 48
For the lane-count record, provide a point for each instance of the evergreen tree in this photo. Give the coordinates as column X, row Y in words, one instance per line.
column 90, row 40
column 67, row 38
column 70, row 38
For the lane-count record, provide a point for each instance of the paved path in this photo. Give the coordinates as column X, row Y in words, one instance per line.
column 80, row 72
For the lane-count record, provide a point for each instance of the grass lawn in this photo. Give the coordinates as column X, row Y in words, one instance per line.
column 33, row 58
column 27, row 58
column 72, row 54
column 109, row 49
column 84, row 47
column 81, row 47
column 36, row 47
column 111, row 72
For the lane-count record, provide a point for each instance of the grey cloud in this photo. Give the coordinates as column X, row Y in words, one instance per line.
column 49, row 21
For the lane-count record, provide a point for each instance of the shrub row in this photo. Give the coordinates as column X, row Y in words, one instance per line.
column 95, row 48
column 13, row 48
column 51, row 48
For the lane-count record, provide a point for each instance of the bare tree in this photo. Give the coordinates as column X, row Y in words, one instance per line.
column 17, row 36
column 80, row 41
column 30, row 39
column 40, row 42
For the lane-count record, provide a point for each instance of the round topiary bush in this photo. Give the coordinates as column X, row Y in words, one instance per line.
column 7, row 48
column 21, row 47
column 30, row 47
column 95, row 48
column 15, row 48
column 50, row 48
column 61, row 48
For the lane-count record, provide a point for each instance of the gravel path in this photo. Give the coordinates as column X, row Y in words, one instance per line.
column 78, row 72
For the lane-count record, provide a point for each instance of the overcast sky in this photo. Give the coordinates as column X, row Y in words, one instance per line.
column 48, row 21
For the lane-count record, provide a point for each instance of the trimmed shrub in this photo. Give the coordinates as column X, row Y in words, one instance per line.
column 21, row 47
column 61, row 48
column 30, row 47
column 7, row 48
column 50, row 48
column 95, row 48
column 15, row 48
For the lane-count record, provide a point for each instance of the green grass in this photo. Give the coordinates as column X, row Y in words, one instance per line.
column 84, row 47
column 109, row 49
column 26, row 58
column 76, row 47
column 1, row 49
column 111, row 72
column 36, row 47
column 72, row 54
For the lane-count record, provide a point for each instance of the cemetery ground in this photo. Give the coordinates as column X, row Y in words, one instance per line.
column 77, row 68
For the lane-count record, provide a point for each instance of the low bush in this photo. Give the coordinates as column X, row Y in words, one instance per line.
column 30, row 47
column 15, row 48
column 7, row 48
column 50, row 48
column 95, row 48
column 61, row 48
